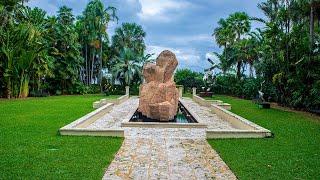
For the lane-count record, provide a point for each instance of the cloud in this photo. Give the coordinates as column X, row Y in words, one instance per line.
column 183, row 26
column 156, row 10
column 186, row 58
column 187, row 39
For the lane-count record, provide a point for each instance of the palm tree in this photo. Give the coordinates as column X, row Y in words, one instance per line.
column 102, row 17
column 23, row 46
column 92, row 28
column 129, row 35
column 241, row 25
column 229, row 32
column 127, row 67
column 223, row 34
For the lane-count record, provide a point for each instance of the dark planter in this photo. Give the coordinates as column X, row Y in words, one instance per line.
column 205, row 94
column 264, row 105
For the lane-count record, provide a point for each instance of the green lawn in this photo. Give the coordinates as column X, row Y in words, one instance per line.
column 31, row 147
column 294, row 152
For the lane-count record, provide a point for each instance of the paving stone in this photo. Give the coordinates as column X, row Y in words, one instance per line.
column 167, row 153
column 164, row 153
column 114, row 118
column 207, row 116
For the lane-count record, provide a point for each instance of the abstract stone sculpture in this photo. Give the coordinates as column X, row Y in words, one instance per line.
column 158, row 95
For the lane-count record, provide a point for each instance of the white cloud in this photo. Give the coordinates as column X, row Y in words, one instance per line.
column 187, row 39
column 187, row 58
column 50, row 8
column 156, row 10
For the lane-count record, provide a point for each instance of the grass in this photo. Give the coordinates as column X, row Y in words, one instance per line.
column 31, row 147
column 293, row 153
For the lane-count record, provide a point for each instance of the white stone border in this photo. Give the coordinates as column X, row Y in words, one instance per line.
column 92, row 132
column 104, row 101
column 246, row 128
column 119, row 100
column 236, row 120
column 84, row 118
column 207, row 103
column 75, row 128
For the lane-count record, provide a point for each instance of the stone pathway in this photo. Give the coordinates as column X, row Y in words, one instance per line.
column 206, row 116
column 170, row 153
column 113, row 119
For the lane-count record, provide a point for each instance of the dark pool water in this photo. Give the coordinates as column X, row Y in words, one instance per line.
column 183, row 116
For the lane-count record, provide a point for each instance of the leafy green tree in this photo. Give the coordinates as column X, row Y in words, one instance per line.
column 65, row 50
column 188, row 79
column 127, row 67
column 129, row 35
column 230, row 31
column 92, row 28
column 23, row 47
column 285, row 52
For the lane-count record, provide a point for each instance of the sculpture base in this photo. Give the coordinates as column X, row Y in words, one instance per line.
column 264, row 105
column 183, row 116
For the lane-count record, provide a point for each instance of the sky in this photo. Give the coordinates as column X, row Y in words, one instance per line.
column 182, row 26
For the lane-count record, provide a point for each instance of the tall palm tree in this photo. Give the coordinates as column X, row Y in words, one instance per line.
column 241, row 25
column 129, row 35
column 93, row 29
column 224, row 35
column 127, row 67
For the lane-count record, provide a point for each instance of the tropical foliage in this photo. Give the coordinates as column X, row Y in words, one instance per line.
column 284, row 53
column 188, row 79
column 64, row 54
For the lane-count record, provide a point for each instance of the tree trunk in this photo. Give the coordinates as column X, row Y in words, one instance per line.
column 287, row 31
column 9, row 92
column 239, row 69
column 311, row 26
column 24, row 86
column 92, row 64
column 100, row 69
column 87, row 75
column 250, row 70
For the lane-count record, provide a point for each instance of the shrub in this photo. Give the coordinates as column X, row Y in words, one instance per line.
column 245, row 88
column 188, row 79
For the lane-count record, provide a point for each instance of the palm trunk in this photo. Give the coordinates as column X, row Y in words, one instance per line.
column 100, row 69
column 287, row 31
column 225, row 56
column 24, row 86
column 9, row 92
column 251, row 70
column 239, row 61
column 92, row 63
column 239, row 69
column 311, row 26
column 86, row 77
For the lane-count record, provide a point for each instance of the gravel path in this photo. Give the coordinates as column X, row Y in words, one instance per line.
column 113, row 119
column 206, row 116
column 167, row 153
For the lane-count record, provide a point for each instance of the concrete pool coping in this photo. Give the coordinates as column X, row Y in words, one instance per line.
column 127, row 123
column 244, row 127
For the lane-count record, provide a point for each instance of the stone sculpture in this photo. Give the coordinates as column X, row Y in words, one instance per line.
column 158, row 95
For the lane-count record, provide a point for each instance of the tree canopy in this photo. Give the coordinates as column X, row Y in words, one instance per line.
column 64, row 54
column 284, row 53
